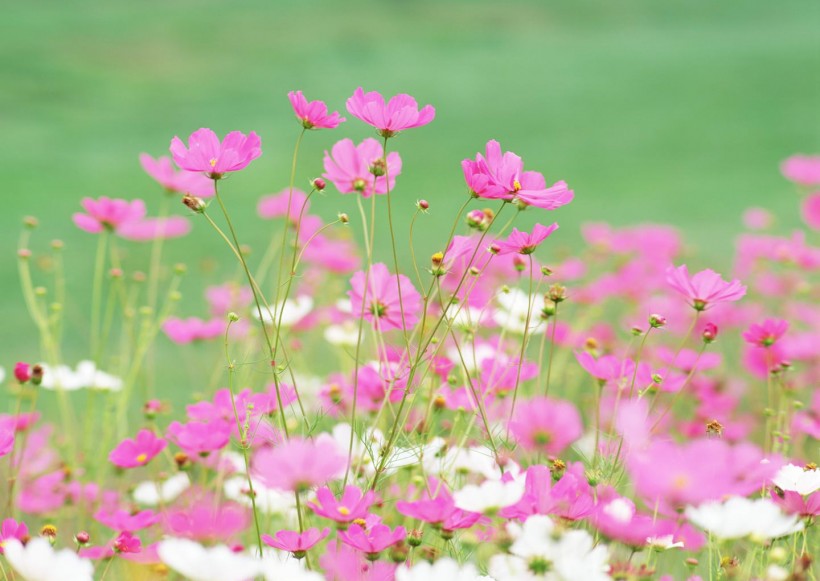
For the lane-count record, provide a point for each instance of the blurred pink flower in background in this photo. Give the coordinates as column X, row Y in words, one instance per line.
column 108, row 213
column 349, row 167
column 176, row 181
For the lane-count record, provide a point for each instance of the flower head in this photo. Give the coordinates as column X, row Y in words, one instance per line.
column 108, row 214
column 313, row 114
column 705, row 288
column 198, row 563
column 206, row 154
column 400, row 113
column 765, row 334
column 295, row 542
column 350, row 167
column 180, row 182
column 131, row 453
column 545, row 425
column 382, row 305
column 373, row 541
column 38, row 561
column 802, row 169
column 741, row 517
column 299, row 464
column 524, row 243
column 353, row 504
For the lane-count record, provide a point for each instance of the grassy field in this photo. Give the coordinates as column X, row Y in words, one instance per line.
column 673, row 111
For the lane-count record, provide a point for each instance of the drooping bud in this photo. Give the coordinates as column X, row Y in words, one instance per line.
column 37, row 374
column 318, row 184
column 546, row 271
column 657, row 321
column 343, row 218
column 710, row 333
column 82, row 538
column 557, row 293
column 194, row 204
column 379, row 167
column 423, row 205
column 519, row 263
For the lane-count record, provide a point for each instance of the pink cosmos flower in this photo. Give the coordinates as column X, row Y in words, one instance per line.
column 294, row 542
column 227, row 297
column 137, row 452
column 374, row 541
column 11, row 529
column 299, row 464
column 148, row 229
column 126, row 542
column 340, row 561
column 313, row 114
column 182, row 182
column 206, row 154
column 123, row 520
column 502, row 176
column 810, row 211
column 184, row 331
column 545, row 425
column 757, row 218
column 524, row 243
column 766, row 333
column 400, row 113
column 705, row 288
column 439, row 510
column 200, row 438
column 802, row 169
column 353, row 505
column 276, row 205
column 570, row 498
column 6, row 441
column 349, row 166
column 108, row 214
column 381, row 301
column 205, row 521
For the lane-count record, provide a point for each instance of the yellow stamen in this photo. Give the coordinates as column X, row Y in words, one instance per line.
column 142, row 458
column 343, row 510
column 516, row 185
column 213, row 162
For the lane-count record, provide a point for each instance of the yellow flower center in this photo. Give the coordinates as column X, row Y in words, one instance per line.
column 142, row 458
column 343, row 510
column 213, row 162
column 516, row 185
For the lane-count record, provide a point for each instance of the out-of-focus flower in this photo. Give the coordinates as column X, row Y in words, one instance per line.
column 802, row 169
column 38, row 561
column 299, row 464
column 350, row 168
column 741, row 517
column 181, row 182
column 108, row 214
column 198, row 563
column 131, row 453
column 524, row 243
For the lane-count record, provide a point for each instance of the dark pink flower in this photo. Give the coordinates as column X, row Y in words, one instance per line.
column 108, row 214
column 353, row 505
column 126, row 542
column 313, row 114
column 299, row 464
column 381, row 301
column 524, row 243
column 137, row 452
column 802, row 169
column 206, row 154
column 200, row 438
column 182, row 182
column 705, row 288
column 148, row 229
column 766, row 333
column 374, row 541
column 350, row 167
column 400, row 113
column 22, row 372
column 545, row 425
column 11, row 529
column 295, row 542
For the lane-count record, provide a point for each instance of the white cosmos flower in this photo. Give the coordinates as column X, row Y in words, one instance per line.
column 489, row 496
column 268, row 500
column 620, row 509
column 38, row 561
column 151, row 493
column 797, row 479
column 343, row 335
column 512, row 314
column 444, row 569
column 291, row 311
column 741, row 517
column 197, row 563
column 280, row 566
column 473, row 355
column 86, row 375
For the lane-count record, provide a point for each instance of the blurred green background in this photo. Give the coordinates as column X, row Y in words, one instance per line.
column 676, row 111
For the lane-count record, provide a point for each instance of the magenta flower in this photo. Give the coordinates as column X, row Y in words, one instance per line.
column 766, row 333
column 22, row 372
column 374, row 541
column 294, row 542
column 206, row 154
column 352, row 506
column 137, row 452
column 313, row 114
column 400, row 113
column 11, row 529
column 147, row 229
column 108, row 214
column 126, row 542
column 351, row 167
column 523, row 243
column 123, row 520
column 381, row 301
column 181, row 182
column 184, row 331
column 297, row 465
column 802, row 169
column 546, row 425
column 502, row 176
column 440, row 510
column 206, row 522
column 200, row 438
column 705, row 288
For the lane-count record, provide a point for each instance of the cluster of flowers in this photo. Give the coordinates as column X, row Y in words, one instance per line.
column 602, row 415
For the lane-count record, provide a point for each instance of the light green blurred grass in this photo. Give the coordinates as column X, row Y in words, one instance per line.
column 673, row 111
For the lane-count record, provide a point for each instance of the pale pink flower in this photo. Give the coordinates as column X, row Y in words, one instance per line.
column 374, row 541
column 545, row 425
column 381, row 300
column 286, row 203
column 227, row 297
column 200, row 438
column 353, row 505
column 757, row 218
column 184, row 331
column 349, row 167
column 124, row 520
column 802, row 169
column 766, row 333
column 524, row 243
column 299, row 464
column 400, row 113
column 205, row 521
column 705, row 288
column 182, row 182
column 295, row 542
column 313, row 114
column 131, row 453
column 206, row 154
column 810, row 211
column 11, row 529
column 108, row 214
column 148, row 229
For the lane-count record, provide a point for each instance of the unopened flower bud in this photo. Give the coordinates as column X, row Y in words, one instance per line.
column 379, row 167
column 24, row 253
column 318, row 184
column 399, row 553
column 557, row 293
column 138, row 276
column 423, row 205
column 115, row 273
column 414, row 537
column 180, row 268
column 181, row 460
column 82, row 538
column 30, row 222
column 439, row 402
column 37, row 374
column 494, row 248
column 344, row 218
column 57, row 244
column 151, row 408
column 474, row 271
column 194, row 204
column 710, row 333
column 657, row 321
column 519, row 263
column 477, row 219
column 546, row 271
column 22, row 372
column 233, row 317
